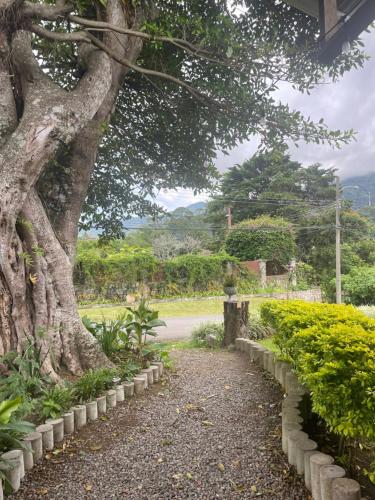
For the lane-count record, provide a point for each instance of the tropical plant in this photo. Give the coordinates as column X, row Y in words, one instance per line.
column 128, row 369
column 93, row 383
column 11, row 430
column 113, row 335
column 142, row 325
column 55, row 401
column 25, row 377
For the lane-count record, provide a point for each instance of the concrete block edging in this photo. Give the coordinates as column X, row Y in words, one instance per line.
column 15, row 463
column 324, row 479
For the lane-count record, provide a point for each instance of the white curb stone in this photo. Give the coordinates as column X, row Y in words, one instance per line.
column 15, row 457
column 28, row 457
column 46, row 431
column 317, row 461
column 307, row 467
column 92, row 411
column 129, row 388
column 327, row 474
column 80, row 416
column 35, row 439
column 120, row 393
column 58, row 429
column 295, row 438
column 150, row 375
column 111, row 398
column 288, row 427
column 345, row 489
column 68, row 422
column 155, row 373
column 302, row 448
column 101, row 401
column 139, row 384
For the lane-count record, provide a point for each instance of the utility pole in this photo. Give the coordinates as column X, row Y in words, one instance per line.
column 338, row 243
column 229, row 217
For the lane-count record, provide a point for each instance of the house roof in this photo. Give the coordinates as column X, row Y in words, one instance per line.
column 353, row 17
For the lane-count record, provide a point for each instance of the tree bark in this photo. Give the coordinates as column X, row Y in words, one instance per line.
column 37, row 298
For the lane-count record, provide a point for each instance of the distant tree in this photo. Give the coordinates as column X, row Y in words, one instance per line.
column 273, row 184
column 267, row 238
column 167, row 246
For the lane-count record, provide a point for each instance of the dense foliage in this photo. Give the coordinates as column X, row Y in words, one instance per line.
column 115, row 270
column 267, row 238
column 333, row 351
column 359, row 286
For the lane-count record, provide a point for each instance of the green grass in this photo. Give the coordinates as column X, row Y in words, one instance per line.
column 270, row 344
column 184, row 308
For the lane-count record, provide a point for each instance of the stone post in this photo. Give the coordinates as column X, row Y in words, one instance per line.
column 235, row 321
column 263, row 273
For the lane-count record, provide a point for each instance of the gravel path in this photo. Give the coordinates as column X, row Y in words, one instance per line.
column 211, row 431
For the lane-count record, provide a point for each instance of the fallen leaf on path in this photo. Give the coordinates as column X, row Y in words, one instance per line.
column 254, row 489
column 57, row 451
column 96, row 447
column 42, row 491
column 178, row 411
column 167, row 442
column 88, row 487
column 160, row 460
column 221, row 467
column 207, row 423
column 177, row 476
column 189, row 476
column 236, row 464
column 226, row 387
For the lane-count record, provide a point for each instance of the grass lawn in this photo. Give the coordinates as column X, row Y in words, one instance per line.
column 184, row 308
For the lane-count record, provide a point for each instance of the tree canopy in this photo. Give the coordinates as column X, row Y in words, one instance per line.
column 204, row 80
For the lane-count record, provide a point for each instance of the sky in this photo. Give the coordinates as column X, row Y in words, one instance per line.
column 349, row 103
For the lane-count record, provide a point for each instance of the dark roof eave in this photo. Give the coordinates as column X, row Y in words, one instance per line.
column 347, row 32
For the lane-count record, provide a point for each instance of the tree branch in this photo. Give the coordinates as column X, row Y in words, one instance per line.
column 180, row 42
column 88, row 37
column 47, row 12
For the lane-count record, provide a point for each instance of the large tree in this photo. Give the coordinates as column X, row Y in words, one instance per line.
column 191, row 77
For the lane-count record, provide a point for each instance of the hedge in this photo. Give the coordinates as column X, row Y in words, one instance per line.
column 117, row 270
column 267, row 238
column 332, row 348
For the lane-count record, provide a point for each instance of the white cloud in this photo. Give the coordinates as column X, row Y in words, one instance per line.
column 349, row 103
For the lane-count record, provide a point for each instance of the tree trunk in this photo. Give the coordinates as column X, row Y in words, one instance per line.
column 37, row 297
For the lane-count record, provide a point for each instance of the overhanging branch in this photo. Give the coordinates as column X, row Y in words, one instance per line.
column 86, row 37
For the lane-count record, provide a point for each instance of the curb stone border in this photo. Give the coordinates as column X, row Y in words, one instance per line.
column 324, row 479
column 17, row 462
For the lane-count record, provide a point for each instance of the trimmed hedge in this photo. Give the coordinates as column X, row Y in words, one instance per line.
column 267, row 238
column 332, row 348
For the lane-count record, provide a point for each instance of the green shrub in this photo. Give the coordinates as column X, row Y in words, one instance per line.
column 94, row 383
column 267, row 238
column 55, row 401
column 332, row 348
column 359, row 286
column 201, row 332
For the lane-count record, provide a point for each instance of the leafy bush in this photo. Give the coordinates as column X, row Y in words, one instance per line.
column 12, row 429
column 55, row 401
column 359, row 286
column 332, row 348
column 25, row 378
column 113, row 335
column 201, row 332
column 267, row 238
column 94, row 383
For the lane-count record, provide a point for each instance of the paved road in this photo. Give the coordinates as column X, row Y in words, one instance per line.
column 181, row 328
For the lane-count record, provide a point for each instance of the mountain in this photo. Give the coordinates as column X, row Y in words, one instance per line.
column 360, row 189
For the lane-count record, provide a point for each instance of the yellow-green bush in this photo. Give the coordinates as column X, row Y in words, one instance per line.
column 332, row 348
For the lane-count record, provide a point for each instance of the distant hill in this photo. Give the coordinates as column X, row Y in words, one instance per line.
column 360, row 197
